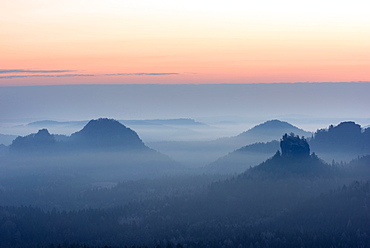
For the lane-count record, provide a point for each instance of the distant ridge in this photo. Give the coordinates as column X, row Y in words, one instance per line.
column 52, row 123
column 264, row 132
column 174, row 122
column 273, row 129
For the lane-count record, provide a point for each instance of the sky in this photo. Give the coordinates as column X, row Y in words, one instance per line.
column 49, row 42
column 309, row 106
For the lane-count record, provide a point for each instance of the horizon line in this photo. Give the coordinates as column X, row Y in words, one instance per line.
column 145, row 84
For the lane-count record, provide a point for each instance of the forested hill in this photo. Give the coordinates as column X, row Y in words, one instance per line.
column 343, row 142
column 346, row 137
column 273, row 129
column 104, row 150
column 97, row 135
column 105, row 134
column 295, row 158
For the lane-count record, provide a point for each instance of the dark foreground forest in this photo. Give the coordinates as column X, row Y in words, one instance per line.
column 213, row 218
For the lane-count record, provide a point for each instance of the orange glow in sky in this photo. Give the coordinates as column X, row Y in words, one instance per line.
column 118, row 41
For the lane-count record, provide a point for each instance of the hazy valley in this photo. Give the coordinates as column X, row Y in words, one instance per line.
column 106, row 186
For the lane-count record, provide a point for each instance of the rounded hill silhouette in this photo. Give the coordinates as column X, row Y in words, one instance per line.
column 106, row 134
column 345, row 137
column 273, row 128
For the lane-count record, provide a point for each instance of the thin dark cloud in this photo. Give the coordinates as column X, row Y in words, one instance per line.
column 2, row 71
column 142, row 74
column 17, row 73
column 51, row 76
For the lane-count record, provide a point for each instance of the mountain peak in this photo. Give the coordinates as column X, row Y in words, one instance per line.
column 103, row 124
column 274, row 123
column 42, row 134
column 294, row 158
column 272, row 129
column 41, row 141
column 106, row 133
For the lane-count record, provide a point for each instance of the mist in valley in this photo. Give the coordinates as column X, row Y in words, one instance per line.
column 251, row 170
